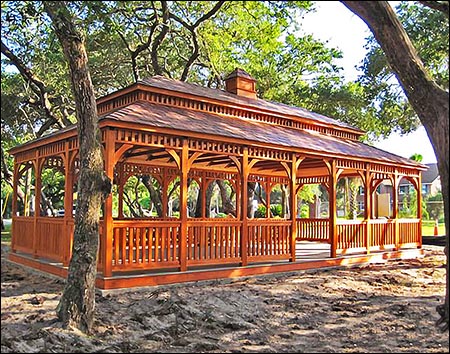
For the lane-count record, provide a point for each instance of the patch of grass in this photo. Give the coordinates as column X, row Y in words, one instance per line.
column 428, row 228
column 6, row 236
column 6, row 233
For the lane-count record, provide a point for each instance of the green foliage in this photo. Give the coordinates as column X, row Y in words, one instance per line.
column 261, row 211
column 276, row 210
column 53, row 187
column 409, row 206
column 435, row 207
column 429, row 32
column 304, row 211
column 309, row 191
column 126, row 39
column 416, row 157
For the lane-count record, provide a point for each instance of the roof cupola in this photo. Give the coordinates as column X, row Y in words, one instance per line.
column 241, row 83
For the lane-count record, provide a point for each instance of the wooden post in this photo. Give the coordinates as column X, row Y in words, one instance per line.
column 14, row 204
column 293, row 192
column 164, row 199
column 419, row 210
column 68, row 207
column 106, row 238
column 395, row 211
column 120, row 182
column 268, row 188
column 183, row 204
column 238, row 197
column 37, row 203
column 367, row 206
column 244, row 206
column 203, row 191
column 332, row 209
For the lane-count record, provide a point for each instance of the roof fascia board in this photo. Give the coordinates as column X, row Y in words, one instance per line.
column 44, row 140
column 310, row 153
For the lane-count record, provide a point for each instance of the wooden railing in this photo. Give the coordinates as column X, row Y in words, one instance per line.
column 377, row 234
column 354, row 235
column 213, row 241
column 409, row 232
column 150, row 244
column 313, row 230
column 50, row 238
column 382, row 234
column 351, row 234
column 269, row 239
column 23, row 234
column 156, row 244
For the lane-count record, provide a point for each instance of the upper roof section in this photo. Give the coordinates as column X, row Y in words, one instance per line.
column 164, row 91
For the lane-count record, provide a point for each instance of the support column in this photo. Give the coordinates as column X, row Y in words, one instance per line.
column 106, row 237
column 184, row 162
column 14, row 204
column 37, row 204
column 68, row 208
column 244, row 206
column 164, row 199
column 395, row 210
column 293, row 192
column 332, row 209
column 120, row 187
column 419, row 210
column 268, row 188
column 203, row 188
column 367, row 206
column 238, row 197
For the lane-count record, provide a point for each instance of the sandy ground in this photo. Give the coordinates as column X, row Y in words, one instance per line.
column 376, row 308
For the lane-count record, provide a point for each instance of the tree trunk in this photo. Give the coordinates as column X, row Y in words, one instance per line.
column 227, row 204
column 155, row 195
column 250, row 196
column 77, row 304
column 429, row 101
column 199, row 205
column 209, row 195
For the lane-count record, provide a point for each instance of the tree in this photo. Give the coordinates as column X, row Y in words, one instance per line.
column 77, row 303
column 429, row 100
column 416, row 157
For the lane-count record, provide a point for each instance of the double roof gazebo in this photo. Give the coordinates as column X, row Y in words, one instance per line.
column 175, row 135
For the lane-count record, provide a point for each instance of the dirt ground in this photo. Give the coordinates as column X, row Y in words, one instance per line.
column 375, row 308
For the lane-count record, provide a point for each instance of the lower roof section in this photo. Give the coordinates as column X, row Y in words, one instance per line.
column 251, row 132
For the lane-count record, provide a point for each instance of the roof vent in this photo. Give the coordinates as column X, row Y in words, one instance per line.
column 241, row 83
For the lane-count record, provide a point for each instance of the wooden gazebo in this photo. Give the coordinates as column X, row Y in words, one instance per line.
column 175, row 130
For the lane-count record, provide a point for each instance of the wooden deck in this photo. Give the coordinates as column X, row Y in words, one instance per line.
column 309, row 255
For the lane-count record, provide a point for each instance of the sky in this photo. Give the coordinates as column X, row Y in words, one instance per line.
column 334, row 23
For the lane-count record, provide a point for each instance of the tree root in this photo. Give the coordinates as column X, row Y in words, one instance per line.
column 442, row 323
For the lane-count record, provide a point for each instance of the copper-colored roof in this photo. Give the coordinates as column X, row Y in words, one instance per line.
column 184, row 120
column 227, row 97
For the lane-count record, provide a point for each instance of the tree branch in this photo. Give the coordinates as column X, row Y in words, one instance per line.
column 159, row 39
column 400, row 52
column 192, row 28
column 38, row 87
column 209, row 14
column 441, row 6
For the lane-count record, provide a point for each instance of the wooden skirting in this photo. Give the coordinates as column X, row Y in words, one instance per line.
column 37, row 264
column 234, row 271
